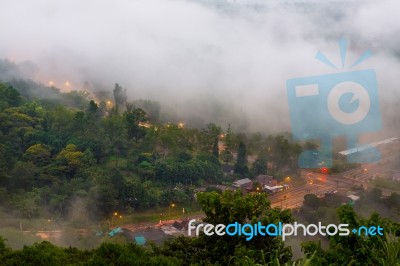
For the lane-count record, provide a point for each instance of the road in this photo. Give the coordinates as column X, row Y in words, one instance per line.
column 323, row 183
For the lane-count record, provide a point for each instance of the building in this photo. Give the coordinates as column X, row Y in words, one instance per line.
column 266, row 180
column 353, row 197
column 243, row 183
column 272, row 189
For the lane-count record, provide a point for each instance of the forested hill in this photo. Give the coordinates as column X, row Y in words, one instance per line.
column 113, row 154
column 55, row 149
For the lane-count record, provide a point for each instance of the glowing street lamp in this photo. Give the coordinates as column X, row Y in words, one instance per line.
column 112, row 218
column 169, row 209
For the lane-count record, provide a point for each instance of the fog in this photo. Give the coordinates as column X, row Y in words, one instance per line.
column 196, row 56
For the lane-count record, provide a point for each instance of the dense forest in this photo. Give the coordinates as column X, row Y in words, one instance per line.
column 116, row 155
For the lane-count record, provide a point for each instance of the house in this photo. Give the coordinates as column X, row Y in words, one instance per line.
column 272, row 189
column 266, row 180
column 223, row 187
column 243, row 183
column 353, row 197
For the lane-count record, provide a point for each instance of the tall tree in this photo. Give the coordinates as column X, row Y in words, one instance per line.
column 226, row 154
column 209, row 135
column 241, row 163
column 120, row 96
column 134, row 119
column 215, row 149
column 260, row 165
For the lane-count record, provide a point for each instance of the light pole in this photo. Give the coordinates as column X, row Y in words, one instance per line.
column 112, row 217
column 169, row 209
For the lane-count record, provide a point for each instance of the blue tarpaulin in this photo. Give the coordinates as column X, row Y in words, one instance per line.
column 115, row 231
column 140, row 240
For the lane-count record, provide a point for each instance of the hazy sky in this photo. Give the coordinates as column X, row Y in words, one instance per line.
column 241, row 54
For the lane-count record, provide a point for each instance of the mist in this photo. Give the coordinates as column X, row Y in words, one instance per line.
column 196, row 56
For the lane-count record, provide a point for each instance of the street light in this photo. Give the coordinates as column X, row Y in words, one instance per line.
column 112, row 217
column 169, row 209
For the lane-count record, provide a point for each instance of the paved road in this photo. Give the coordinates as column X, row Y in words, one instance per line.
column 323, row 183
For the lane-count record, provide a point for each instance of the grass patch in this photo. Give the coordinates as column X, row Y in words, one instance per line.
column 154, row 215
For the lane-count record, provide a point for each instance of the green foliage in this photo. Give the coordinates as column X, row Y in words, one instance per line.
column 311, row 200
column 241, row 163
column 120, row 96
column 260, row 165
column 355, row 249
column 225, row 208
column 38, row 154
column 134, row 119
column 180, row 172
column 9, row 97
column 45, row 254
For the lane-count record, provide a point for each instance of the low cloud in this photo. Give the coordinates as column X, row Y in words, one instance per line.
column 186, row 53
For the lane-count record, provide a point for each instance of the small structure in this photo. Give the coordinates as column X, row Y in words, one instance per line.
column 115, row 231
column 200, row 189
column 273, row 189
column 140, row 240
column 243, row 183
column 353, row 197
column 223, row 187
